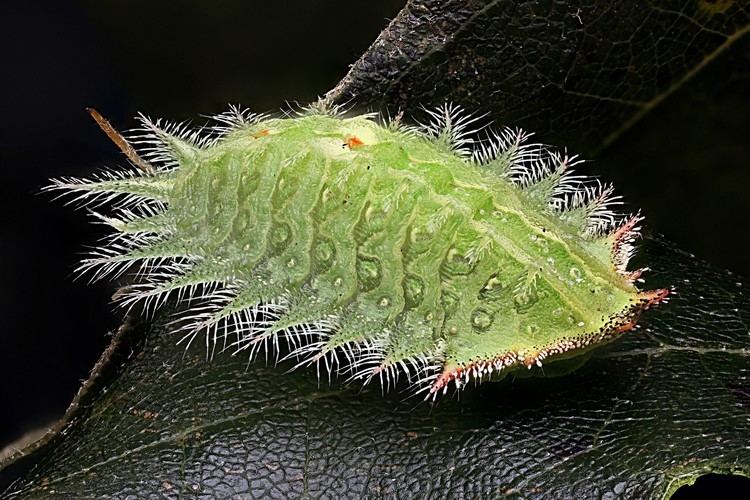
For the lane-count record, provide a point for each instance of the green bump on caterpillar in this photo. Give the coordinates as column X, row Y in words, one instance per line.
column 441, row 253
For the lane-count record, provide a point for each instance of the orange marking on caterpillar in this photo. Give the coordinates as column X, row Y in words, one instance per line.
column 354, row 142
column 635, row 275
column 446, row 378
column 653, row 297
column 623, row 231
column 531, row 359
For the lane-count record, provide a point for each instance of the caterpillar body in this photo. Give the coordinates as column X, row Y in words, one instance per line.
column 438, row 253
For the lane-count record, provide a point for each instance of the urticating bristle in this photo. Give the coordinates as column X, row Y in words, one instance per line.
column 233, row 119
column 247, row 313
column 623, row 246
column 163, row 143
column 119, row 189
column 453, row 127
column 506, row 147
column 324, row 107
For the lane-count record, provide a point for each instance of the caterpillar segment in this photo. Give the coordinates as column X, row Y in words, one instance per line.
column 435, row 254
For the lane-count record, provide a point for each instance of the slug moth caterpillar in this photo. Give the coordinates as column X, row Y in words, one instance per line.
column 441, row 253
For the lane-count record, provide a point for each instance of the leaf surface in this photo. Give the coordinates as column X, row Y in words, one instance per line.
column 645, row 415
column 576, row 73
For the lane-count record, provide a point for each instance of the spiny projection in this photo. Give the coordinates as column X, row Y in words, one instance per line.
column 441, row 253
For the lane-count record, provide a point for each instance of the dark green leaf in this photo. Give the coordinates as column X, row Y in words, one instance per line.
column 645, row 415
column 686, row 163
column 577, row 73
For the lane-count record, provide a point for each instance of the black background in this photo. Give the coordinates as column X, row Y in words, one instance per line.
column 178, row 60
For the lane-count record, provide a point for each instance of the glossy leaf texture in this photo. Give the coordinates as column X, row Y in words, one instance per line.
column 643, row 416
column 576, row 73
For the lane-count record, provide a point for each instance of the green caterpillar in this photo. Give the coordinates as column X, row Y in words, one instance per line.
column 441, row 253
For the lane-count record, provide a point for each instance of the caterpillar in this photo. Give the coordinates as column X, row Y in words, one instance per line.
column 439, row 253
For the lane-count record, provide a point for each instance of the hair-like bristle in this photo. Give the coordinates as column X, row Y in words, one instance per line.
column 324, row 107
column 163, row 143
column 623, row 248
column 509, row 145
column 453, row 127
column 118, row 189
column 233, row 119
column 265, row 318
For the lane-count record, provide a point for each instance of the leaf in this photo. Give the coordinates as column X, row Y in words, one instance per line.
column 650, row 412
column 576, row 73
column 688, row 153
